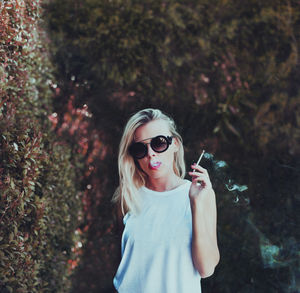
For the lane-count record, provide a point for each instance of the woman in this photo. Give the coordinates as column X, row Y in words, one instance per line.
column 169, row 241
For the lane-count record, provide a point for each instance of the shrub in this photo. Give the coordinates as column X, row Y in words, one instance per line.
column 40, row 202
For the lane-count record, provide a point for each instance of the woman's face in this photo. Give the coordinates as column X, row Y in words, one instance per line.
column 156, row 165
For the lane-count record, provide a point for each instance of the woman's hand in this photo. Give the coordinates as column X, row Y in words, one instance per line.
column 201, row 186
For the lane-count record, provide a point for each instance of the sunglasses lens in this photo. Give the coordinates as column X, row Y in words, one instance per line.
column 138, row 150
column 159, row 144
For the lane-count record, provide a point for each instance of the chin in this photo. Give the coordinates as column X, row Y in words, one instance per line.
column 157, row 173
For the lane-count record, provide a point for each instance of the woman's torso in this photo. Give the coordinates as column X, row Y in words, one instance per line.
column 156, row 245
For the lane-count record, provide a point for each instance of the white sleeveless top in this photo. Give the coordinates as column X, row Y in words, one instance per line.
column 156, row 245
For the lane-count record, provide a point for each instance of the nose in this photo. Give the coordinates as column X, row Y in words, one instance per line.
column 151, row 152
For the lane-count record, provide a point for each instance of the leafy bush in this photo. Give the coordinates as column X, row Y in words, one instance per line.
column 228, row 72
column 40, row 201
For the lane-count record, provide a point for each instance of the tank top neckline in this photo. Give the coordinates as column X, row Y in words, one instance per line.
column 167, row 192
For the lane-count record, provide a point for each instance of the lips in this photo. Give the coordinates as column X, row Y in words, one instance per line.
column 154, row 165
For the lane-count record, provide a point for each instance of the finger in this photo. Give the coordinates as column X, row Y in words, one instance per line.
column 199, row 177
column 199, row 168
column 197, row 174
column 203, row 179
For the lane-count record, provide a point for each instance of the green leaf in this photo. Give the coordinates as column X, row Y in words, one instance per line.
column 12, row 184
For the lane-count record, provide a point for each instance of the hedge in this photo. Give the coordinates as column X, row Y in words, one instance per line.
column 228, row 72
column 39, row 195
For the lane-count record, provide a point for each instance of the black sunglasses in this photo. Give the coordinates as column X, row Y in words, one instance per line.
column 159, row 144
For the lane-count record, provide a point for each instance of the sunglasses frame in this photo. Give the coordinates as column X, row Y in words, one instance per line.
column 167, row 138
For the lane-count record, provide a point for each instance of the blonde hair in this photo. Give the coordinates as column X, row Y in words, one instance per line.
column 131, row 177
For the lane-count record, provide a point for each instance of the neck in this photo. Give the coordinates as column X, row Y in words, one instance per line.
column 164, row 183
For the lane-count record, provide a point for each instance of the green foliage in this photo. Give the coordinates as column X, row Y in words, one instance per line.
column 225, row 58
column 39, row 201
column 228, row 72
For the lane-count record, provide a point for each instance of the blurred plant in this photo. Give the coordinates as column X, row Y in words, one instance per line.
column 40, row 196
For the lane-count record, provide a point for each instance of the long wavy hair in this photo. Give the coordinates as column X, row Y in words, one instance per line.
column 131, row 177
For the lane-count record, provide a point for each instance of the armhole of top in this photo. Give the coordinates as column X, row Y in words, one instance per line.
column 125, row 218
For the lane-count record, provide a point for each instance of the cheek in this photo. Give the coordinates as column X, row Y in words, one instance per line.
column 143, row 164
column 170, row 158
column 167, row 158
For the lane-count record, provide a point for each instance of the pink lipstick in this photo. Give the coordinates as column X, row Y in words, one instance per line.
column 154, row 165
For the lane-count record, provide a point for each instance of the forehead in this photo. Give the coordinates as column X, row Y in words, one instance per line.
column 152, row 129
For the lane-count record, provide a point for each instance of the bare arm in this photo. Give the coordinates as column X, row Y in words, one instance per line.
column 205, row 252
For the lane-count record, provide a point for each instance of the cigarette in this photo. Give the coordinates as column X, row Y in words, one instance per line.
column 200, row 158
